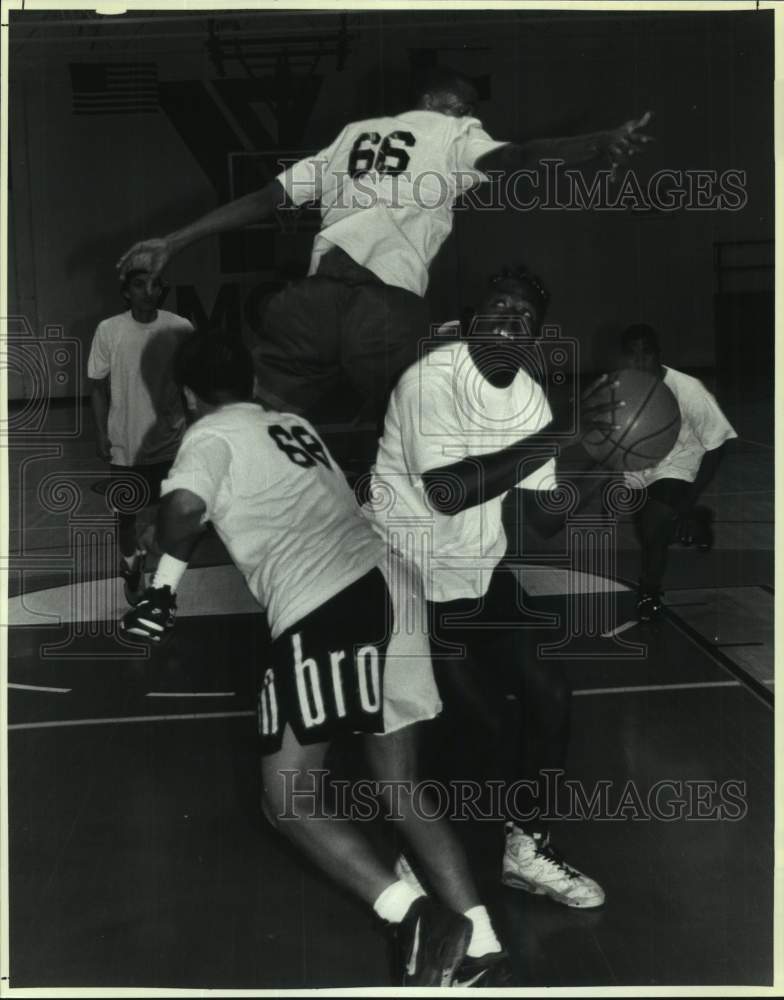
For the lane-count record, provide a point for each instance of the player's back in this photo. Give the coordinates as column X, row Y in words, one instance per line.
column 387, row 187
column 285, row 512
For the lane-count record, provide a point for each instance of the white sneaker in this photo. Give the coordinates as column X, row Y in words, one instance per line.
column 405, row 872
column 531, row 864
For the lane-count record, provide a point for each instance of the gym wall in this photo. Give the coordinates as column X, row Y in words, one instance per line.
column 88, row 178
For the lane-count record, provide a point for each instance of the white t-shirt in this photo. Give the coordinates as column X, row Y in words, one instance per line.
column 387, row 187
column 279, row 504
column 146, row 420
column 703, row 428
column 443, row 410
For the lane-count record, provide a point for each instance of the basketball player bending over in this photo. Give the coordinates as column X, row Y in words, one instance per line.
column 466, row 425
column 673, row 486
column 342, row 657
column 387, row 188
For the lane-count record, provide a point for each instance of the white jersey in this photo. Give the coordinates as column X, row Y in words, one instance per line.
column 279, row 504
column 443, row 410
column 703, row 428
column 387, row 187
column 146, row 419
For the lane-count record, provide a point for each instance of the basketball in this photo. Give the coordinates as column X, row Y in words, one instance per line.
column 648, row 425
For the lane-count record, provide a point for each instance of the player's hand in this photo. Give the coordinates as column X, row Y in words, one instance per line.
column 103, row 447
column 596, row 415
column 620, row 143
column 149, row 255
column 152, row 620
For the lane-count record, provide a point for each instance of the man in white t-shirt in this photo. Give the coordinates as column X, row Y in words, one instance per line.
column 137, row 408
column 335, row 343
column 349, row 651
column 465, row 425
column 672, row 487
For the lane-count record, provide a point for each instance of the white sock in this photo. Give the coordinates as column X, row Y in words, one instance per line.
column 483, row 939
column 169, row 572
column 393, row 903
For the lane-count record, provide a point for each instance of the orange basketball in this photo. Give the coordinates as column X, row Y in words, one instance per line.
column 648, row 424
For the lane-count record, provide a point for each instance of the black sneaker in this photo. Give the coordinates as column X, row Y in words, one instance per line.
column 649, row 607
column 153, row 617
column 490, row 970
column 133, row 579
column 432, row 940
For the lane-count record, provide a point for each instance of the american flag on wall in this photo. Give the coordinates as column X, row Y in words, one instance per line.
column 114, row 88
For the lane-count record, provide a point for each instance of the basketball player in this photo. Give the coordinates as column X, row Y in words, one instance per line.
column 136, row 405
column 343, row 658
column 466, row 425
column 387, row 187
column 672, row 487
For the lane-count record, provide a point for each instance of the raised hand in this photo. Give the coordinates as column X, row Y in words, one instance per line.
column 149, row 255
column 626, row 140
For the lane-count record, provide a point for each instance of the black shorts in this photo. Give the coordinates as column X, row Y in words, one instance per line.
column 325, row 675
column 334, row 344
column 132, row 487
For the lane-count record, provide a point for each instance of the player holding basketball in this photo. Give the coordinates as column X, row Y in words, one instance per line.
column 673, row 486
column 343, row 658
column 387, row 188
column 136, row 405
column 466, row 425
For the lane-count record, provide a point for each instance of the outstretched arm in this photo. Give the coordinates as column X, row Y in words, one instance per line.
column 154, row 254
column 616, row 145
column 479, row 478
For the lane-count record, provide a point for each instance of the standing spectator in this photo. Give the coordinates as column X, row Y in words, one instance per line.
column 137, row 408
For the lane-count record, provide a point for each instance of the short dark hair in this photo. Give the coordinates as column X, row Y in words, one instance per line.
column 528, row 279
column 218, row 368
column 436, row 80
column 640, row 332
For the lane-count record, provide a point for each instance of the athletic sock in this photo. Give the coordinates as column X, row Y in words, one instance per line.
column 483, row 939
column 169, row 572
column 394, row 902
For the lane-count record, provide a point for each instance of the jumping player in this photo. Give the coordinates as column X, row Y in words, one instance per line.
column 672, row 487
column 136, row 405
column 343, row 657
column 466, row 425
column 387, row 187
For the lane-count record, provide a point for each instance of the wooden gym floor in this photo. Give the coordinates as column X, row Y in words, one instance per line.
column 138, row 857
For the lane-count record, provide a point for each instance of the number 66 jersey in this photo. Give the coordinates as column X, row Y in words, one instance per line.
column 279, row 504
column 387, row 187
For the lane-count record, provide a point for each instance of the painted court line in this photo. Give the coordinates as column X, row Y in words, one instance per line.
column 631, row 689
column 634, row 688
column 127, row 718
column 36, row 687
column 190, row 694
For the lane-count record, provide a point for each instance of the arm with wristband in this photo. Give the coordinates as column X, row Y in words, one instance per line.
column 189, row 496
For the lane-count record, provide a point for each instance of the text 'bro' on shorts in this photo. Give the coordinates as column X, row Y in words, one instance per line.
column 325, row 674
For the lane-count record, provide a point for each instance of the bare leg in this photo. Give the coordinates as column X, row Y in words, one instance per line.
column 394, row 758
column 126, row 534
column 335, row 845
